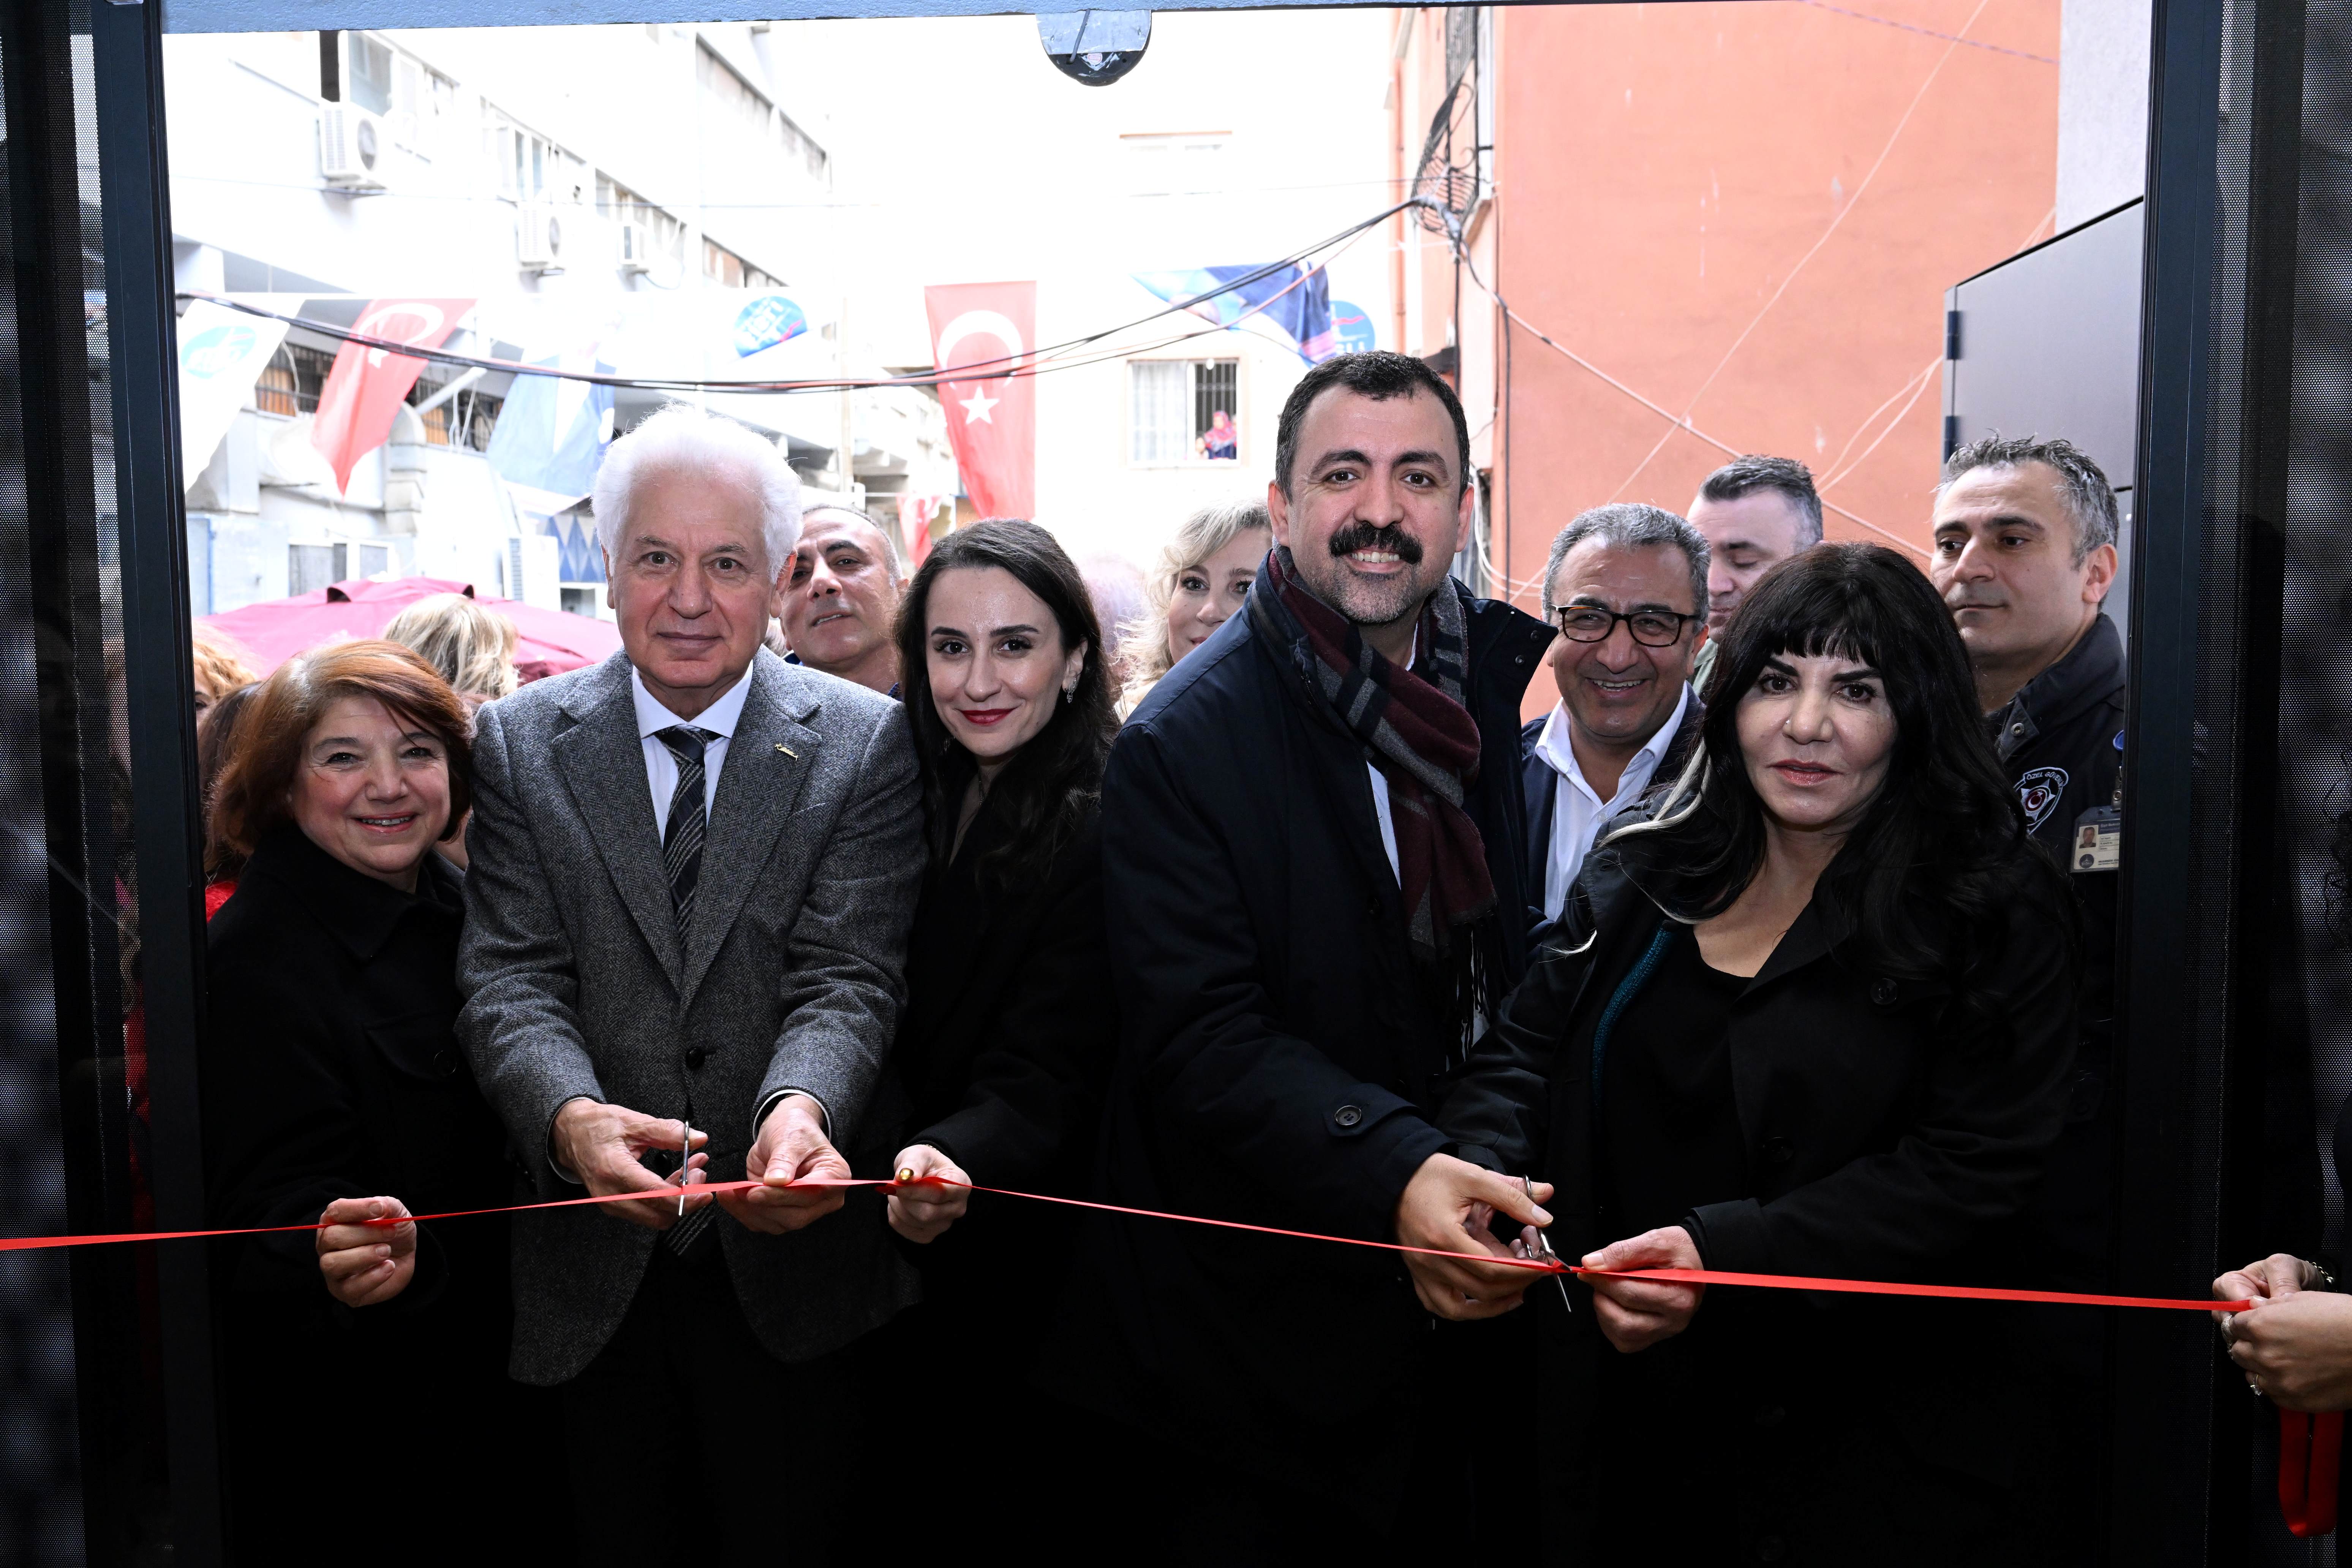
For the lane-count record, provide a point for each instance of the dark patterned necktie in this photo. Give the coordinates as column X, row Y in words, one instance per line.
column 682, row 862
column 682, row 836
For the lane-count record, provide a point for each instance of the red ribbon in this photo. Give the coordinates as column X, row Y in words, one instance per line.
column 1538, row 1266
column 2310, row 1447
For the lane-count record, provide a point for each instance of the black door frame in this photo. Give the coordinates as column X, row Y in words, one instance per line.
column 2205, row 407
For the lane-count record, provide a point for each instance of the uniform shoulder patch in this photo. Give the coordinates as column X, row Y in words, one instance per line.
column 2038, row 790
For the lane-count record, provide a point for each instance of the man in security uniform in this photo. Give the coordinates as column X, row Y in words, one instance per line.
column 2024, row 556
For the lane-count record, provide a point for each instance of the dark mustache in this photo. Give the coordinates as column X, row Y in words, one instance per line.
column 1364, row 536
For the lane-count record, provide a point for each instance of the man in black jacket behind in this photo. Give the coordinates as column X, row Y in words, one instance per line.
column 2025, row 552
column 1314, row 841
column 2024, row 556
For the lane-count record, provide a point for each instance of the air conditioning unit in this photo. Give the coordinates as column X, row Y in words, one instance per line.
column 636, row 247
column 352, row 144
column 538, row 236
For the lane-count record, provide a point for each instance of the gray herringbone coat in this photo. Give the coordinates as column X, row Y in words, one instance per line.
column 576, row 983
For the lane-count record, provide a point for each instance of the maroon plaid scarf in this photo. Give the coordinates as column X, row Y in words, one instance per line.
column 1425, row 744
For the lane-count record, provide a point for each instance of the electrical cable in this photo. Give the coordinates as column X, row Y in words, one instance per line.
column 1016, row 365
column 1851, row 203
column 1917, row 392
column 1677, row 422
column 1832, row 469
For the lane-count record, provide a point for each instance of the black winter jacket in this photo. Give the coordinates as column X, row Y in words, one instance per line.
column 331, row 1069
column 1279, row 1064
column 1874, row 1152
column 1004, row 1048
column 2058, row 742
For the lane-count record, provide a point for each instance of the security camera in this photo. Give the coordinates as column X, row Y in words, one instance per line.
column 1096, row 47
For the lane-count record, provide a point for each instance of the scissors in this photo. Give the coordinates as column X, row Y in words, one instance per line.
column 1545, row 1255
column 685, row 1153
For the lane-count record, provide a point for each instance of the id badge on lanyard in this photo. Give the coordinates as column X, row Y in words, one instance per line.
column 2098, row 841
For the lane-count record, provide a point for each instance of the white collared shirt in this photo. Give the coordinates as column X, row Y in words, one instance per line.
column 1381, row 787
column 1577, row 813
column 661, row 765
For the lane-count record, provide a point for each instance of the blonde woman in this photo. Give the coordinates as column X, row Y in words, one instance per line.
column 473, row 647
column 470, row 643
column 1202, row 578
column 223, row 665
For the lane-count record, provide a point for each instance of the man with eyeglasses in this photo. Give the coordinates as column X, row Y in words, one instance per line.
column 1625, row 588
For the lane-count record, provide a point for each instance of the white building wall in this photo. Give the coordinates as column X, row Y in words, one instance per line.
column 927, row 182
column 2103, row 63
column 1042, row 178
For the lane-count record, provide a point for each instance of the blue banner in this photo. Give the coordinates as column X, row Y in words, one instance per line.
column 551, row 433
column 1291, row 304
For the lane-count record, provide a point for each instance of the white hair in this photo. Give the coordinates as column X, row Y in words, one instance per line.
column 682, row 436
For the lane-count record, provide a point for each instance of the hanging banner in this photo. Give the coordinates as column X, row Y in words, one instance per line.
column 991, row 420
column 1292, row 304
column 222, row 353
column 551, row 431
column 367, row 386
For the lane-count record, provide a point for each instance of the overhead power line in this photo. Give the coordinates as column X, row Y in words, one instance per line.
column 1681, row 422
column 1004, row 367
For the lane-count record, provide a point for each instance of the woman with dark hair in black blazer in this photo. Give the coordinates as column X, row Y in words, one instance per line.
column 1010, row 1021
column 1813, row 1018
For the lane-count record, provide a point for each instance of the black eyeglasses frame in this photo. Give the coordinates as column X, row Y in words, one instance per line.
column 1681, row 621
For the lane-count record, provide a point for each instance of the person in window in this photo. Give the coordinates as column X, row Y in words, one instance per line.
column 1202, row 580
column 1011, row 1022
column 1813, row 1016
column 1221, row 442
column 334, row 1090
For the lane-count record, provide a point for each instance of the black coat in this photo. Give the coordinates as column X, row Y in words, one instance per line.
column 331, row 1069
column 2057, row 740
column 1278, row 1064
column 1003, row 1051
column 1873, row 1153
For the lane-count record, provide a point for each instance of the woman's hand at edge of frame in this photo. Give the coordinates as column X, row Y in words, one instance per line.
column 2294, row 1345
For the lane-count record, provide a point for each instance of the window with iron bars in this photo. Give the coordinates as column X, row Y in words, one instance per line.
column 1173, row 409
column 289, row 384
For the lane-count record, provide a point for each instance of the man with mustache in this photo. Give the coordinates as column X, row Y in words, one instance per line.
column 1314, row 847
column 2024, row 555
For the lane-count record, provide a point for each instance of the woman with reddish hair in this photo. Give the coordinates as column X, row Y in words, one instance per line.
column 335, row 1090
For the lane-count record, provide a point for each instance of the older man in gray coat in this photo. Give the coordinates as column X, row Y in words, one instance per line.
column 693, row 868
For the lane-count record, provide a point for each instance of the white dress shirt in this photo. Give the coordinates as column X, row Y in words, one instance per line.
column 1381, row 787
column 1577, row 812
column 661, row 765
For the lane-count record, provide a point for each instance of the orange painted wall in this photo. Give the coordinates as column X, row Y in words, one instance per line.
column 1663, row 171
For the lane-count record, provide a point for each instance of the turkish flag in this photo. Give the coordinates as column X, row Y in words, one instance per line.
column 367, row 386
column 992, row 421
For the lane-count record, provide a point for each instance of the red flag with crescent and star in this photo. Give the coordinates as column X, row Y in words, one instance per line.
column 367, row 386
column 991, row 419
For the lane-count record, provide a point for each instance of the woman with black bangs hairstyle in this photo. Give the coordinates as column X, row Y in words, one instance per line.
column 1008, row 1032
column 1812, row 1016
column 1927, row 870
